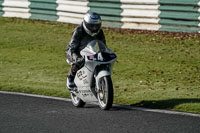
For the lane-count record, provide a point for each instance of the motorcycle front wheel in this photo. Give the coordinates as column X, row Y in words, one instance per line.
column 105, row 94
column 77, row 102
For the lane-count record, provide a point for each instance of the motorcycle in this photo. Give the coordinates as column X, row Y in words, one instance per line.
column 93, row 81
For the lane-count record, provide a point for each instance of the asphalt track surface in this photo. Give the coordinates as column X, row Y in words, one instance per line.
column 23, row 114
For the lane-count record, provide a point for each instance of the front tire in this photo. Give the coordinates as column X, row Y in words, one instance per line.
column 105, row 94
column 77, row 102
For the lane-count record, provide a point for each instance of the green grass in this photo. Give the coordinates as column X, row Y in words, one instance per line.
column 154, row 70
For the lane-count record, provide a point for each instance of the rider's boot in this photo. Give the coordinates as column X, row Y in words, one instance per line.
column 70, row 78
column 70, row 81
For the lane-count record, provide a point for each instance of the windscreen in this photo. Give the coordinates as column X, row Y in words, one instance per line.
column 97, row 46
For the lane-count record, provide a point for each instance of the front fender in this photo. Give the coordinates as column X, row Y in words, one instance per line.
column 101, row 74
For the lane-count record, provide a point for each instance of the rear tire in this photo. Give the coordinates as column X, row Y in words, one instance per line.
column 105, row 94
column 77, row 102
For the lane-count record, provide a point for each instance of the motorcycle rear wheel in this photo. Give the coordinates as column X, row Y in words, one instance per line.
column 77, row 102
column 105, row 94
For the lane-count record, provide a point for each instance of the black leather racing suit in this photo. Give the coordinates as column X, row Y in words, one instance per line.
column 79, row 41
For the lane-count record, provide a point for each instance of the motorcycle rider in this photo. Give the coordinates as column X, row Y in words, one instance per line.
column 88, row 30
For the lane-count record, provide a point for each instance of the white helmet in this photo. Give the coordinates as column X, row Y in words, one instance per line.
column 92, row 23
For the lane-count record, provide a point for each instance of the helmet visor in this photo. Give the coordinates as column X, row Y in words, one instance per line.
column 94, row 28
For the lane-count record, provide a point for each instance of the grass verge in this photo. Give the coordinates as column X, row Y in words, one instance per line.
column 154, row 70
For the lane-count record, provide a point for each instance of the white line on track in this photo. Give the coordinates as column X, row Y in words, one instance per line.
column 33, row 95
column 115, row 105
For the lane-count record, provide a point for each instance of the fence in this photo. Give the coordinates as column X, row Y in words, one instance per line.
column 162, row 15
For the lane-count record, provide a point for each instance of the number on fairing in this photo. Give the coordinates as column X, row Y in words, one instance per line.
column 100, row 58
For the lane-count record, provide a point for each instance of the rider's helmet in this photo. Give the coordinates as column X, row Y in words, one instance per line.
column 92, row 23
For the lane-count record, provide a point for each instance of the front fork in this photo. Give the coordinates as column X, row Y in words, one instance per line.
column 100, row 72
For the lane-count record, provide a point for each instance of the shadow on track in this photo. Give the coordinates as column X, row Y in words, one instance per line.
column 165, row 104
column 114, row 107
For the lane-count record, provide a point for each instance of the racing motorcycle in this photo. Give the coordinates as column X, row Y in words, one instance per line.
column 93, row 81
